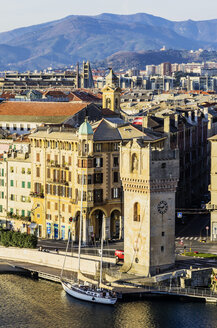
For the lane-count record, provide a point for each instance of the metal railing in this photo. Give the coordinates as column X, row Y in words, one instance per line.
column 189, row 291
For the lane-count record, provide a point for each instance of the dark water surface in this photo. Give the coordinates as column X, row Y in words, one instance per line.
column 31, row 303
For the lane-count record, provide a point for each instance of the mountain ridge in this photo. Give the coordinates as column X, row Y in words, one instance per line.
column 79, row 37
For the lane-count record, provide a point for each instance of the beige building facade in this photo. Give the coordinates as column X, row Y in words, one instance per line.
column 212, row 205
column 149, row 174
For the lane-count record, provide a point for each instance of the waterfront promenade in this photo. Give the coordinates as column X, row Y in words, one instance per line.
column 127, row 290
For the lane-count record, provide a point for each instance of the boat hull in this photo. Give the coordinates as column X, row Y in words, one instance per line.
column 89, row 296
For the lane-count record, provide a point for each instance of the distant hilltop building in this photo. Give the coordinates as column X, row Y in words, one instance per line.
column 15, row 81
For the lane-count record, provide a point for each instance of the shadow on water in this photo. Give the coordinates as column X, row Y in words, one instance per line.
column 30, row 303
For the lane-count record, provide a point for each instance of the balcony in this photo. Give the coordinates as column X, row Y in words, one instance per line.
column 73, row 201
column 55, row 181
column 37, row 194
column 18, row 217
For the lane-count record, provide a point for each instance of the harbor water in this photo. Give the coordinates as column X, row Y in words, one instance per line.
column 27, row 303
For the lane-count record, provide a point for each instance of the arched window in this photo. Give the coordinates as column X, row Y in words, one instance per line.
column 108, row 103
column 134, row 163
column 136, row 214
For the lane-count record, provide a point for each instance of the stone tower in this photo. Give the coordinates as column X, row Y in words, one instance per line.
column 111, row 93
column 149, row 174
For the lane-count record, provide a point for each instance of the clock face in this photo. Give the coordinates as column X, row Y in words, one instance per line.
column 162, row 207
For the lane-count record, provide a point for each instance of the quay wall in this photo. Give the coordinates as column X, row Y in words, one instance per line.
column 88, row 266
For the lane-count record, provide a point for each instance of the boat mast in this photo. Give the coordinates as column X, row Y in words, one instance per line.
column 61, row 274
column 80, row 227
column 100, row 280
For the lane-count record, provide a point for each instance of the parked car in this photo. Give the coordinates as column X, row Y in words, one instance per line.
column 119, row 254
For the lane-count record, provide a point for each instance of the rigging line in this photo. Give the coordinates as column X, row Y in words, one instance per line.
column 61, row 274
column 136, row 250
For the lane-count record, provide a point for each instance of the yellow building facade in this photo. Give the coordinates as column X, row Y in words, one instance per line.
column 59, row 159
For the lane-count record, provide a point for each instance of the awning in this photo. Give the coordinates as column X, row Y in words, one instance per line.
column 33, row 225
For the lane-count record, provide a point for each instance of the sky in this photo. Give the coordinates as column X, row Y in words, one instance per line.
column 21, row 13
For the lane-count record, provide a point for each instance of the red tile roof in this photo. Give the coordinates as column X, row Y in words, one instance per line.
column 40, row 108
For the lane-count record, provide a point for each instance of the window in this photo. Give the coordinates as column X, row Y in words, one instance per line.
column 98, row 147
column 1, row 208
column 37, row 188
column 69, row 208
column 115, row 146
column 2, row 195
column 12, row 183
column 48, row 216
column 98, row 195
column 23, row 213
column 63, row 160
column 115, row 177
column 48, row 158
column 23, row 184
column 90, row 196
column 11, row 169
column 28, row 171
column 56, row 206
column 163, row 165
column 70, row 176
column 115, row 193
column 37, row 157
column 12, row 197
column 89, row 179
column 163, row 233
column 28, row 185
column 2, row 182
column 98, row 178
column 162, row 248
column 70, row 160
column 48, row 205
column 98, row 162
column 48, row 173
column 23, row 170
column 56, row 159
column 136, row 216
column 86, row 148
column 38, row 172
column 115, row 161
column 2, row 172
column 29, row 213
column 11, row 210
column 63, row 207
column 23, row 199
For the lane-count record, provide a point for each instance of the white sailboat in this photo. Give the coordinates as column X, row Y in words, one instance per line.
column 83, row 291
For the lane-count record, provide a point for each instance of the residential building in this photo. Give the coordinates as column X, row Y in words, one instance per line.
column 60, row 157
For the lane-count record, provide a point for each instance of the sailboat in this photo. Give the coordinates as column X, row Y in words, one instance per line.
column 83, row 291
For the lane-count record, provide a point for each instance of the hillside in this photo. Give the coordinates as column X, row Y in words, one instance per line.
column 76, row 38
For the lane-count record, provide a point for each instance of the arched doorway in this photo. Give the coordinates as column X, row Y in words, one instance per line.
column 77, row 227
column 96, row 223
column 115, row 224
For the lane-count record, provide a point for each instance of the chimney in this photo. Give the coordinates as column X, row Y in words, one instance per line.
column 176, row 117
column 167, row 131
column 145, row 122
column 167, row 124
column 189, row 117
column 196, row 116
